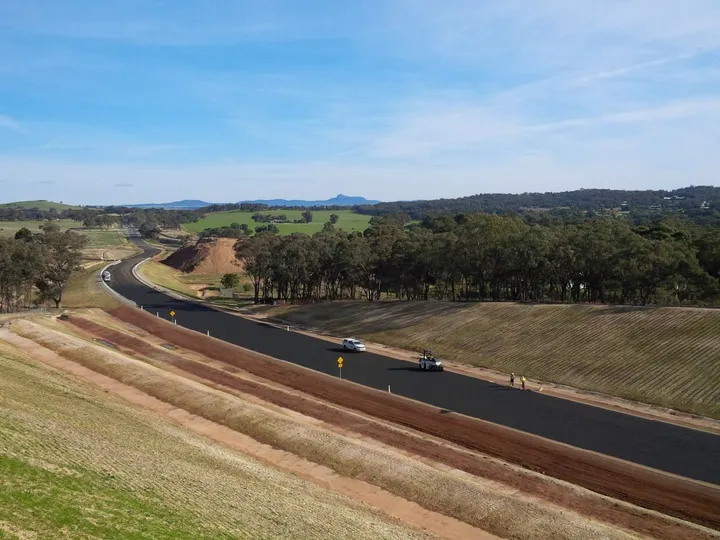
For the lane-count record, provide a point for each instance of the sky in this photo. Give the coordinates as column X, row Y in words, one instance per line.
column 139, row 101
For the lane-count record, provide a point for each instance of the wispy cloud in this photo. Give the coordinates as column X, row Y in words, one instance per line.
column 617, row 72
column 277, row 97
column 10, row 123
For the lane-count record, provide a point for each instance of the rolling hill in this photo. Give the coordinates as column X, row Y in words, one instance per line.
column 41, row 205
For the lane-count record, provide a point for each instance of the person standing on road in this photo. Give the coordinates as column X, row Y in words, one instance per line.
column 523, row 382
column 512, row 379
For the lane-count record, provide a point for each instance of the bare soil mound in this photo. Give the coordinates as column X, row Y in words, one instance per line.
column 209, row 256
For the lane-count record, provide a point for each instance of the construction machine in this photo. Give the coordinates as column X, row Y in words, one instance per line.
column 428, row 362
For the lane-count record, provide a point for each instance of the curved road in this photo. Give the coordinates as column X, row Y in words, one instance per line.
column 686, row 452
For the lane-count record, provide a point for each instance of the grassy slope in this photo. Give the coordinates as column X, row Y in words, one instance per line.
column 167, row 277
column 348, row 221
column 85, row 290
column 175, row 280
column 471, row 500
column 98, row 239
column 663, row 356
column 75, row 463
column 9, row 228
column 41, row 205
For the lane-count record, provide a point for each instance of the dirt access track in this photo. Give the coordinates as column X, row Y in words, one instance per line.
column 668, row 494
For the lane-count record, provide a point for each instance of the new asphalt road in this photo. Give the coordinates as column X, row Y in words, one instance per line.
column 686, row 452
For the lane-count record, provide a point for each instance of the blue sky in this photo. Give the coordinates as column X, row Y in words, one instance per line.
column 148, row 100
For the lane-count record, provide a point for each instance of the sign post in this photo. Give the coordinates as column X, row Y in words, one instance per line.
column 340, row 364
column 172, row 314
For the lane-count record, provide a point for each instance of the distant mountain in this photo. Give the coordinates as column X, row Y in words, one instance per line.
column 340, row 200
column 176, row 205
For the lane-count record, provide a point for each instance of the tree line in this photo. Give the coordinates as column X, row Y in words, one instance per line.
column 586, row 200
column 15, row 213
column 491, row 257
column 36, row 267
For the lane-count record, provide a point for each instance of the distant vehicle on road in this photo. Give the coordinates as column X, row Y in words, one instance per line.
column 352, row 344
column 428, row 362
column 106, row 276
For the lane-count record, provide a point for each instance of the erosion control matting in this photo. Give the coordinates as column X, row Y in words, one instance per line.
column 645, row 487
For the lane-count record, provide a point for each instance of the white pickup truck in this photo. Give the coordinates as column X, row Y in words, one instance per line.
column 352, row 344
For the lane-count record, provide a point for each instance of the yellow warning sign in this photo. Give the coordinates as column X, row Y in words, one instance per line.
column 340, row 361
column 172, row 313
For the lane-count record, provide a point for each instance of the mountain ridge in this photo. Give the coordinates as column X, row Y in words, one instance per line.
column 192, row 204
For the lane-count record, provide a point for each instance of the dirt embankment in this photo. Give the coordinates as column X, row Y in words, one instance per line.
column 214, row 256
column 644, row 487
column 199, row 489
column 473, row 500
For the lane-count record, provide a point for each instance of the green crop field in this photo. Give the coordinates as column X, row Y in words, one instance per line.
column 348, row 221
column 41, row 205
column 663, row 356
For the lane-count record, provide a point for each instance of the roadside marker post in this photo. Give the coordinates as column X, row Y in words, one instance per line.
column 389, row 389
column 157, row 313
column 172, row 314
column 208, row 333
column 340, row 364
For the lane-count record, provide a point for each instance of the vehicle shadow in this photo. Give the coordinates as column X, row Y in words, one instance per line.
column 338, row 349
column 409, row 368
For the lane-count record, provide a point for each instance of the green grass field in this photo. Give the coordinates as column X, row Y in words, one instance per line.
column 97, row 238
column 663, row 356
column 9, row 228
column 41, row 205
column 347, row 221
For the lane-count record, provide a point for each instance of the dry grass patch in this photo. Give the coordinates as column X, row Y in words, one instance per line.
column 85, row 290
column 166, row 276
column 77, row 463
column 450, row 492
column 668, row 357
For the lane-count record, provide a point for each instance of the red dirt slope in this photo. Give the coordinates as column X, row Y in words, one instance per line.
column 213, row 256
